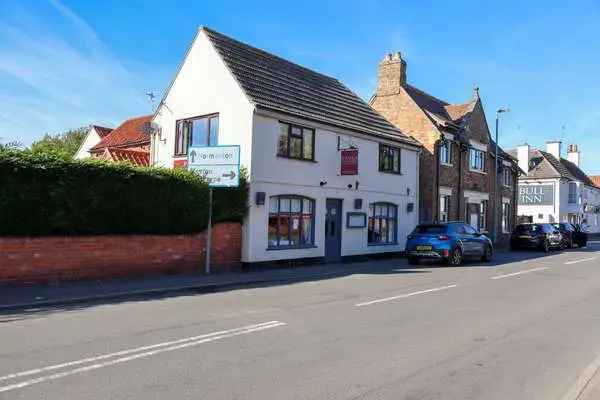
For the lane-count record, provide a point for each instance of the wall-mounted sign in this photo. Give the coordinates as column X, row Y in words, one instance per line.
column 356, row 220
column 219, row 165
column 349, row 162
column 536, row 195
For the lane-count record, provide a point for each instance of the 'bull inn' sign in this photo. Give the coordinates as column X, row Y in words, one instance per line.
column 536, row 195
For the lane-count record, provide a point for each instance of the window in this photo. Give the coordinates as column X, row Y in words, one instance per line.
column 389, row 159
column 469, row 230
column 572, row 193
column 477, row 160
column 382, row 223
column 291, row 222
column 200, row 131
column 505, row 217
column 444, row 208
column 296, row 142
column 483, row 215
column 507, row 177
column 446, row 152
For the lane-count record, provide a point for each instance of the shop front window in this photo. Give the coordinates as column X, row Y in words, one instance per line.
column 291, row 222
column 383, row 218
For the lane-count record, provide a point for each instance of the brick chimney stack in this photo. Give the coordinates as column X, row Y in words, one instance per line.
column 392, row 74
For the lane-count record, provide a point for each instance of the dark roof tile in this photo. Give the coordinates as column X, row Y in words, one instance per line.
column 275, row 84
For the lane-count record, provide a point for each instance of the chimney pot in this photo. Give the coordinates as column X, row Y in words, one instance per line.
column 392, row 74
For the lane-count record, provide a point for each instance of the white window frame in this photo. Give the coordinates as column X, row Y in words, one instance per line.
column 444, row 213
column 477, row 159
column 445, row 151
column 483, row 210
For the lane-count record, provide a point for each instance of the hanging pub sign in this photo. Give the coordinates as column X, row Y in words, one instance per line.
column 349, row 162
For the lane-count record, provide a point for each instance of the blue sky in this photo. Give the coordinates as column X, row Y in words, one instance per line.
column 69, row 63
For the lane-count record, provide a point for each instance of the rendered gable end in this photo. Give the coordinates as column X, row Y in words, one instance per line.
column 202, row 86
column 91, row 139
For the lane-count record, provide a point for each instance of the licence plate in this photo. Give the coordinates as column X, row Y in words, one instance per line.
column 423, row 248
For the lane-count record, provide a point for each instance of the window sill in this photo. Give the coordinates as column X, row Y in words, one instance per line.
column 382, row 244
column 446, row 164
column 391, row 172
column 296, row 158
column 291, row 248
column 478, row 171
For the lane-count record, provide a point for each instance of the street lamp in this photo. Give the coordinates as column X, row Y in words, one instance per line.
column 495, row 224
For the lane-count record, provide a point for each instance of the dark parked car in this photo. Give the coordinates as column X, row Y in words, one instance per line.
column 538, row 236
column 572, row 235
column 450, row 242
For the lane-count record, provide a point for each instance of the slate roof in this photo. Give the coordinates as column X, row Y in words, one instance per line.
column 273, row 83
column 543, row 165
column 128, row 134
column 102, row 130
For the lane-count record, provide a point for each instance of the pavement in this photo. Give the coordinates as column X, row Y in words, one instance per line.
column 526, row 326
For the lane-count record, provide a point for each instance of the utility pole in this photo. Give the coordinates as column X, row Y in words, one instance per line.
column 496, row 197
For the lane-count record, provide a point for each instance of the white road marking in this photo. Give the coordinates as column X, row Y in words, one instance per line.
column 402, row 296
column 580, row 261
column 159, row 348
column 519, row 273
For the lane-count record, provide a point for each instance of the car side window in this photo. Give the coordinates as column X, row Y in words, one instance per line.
column 469, row 230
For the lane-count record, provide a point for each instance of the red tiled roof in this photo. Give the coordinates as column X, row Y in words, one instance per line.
column 596, row 180
column 137, row 157
column 102, row 130
column 129, row 133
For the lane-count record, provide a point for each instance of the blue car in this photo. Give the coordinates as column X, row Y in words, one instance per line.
column 450, row 242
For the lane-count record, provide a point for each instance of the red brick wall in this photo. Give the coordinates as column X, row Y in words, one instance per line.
column 47, row 259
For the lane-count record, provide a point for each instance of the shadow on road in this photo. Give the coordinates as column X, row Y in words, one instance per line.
column 193, row 285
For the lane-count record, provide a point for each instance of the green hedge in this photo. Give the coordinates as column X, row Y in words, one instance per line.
column 46, row 194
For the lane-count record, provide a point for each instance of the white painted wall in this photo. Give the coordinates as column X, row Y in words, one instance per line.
column 204, row 86
column 276, row 175
column 91, row 139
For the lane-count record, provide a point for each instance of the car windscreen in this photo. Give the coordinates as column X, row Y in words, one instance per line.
column 430, row 229
column 528, row 229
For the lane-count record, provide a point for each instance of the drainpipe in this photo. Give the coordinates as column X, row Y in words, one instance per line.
column 460, row 174
column 436, row 154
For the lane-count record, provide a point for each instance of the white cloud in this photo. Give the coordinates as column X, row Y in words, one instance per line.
column 57, row 74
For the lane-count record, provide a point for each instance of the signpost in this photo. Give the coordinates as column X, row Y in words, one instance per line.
column 220, row 167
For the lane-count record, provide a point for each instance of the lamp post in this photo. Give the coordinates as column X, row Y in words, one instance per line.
column 495, row 223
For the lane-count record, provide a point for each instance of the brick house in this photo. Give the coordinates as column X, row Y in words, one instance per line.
column 128, row 142
column 457, row 161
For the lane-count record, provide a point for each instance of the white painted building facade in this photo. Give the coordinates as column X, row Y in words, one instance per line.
column 308, row 207
column 92, row 138
column 555, row 189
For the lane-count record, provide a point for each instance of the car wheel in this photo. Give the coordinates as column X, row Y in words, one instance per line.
column 456, row 257
column 546, row 246
column 413, row 260
column 487, row 254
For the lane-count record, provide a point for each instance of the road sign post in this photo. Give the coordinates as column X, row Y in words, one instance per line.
column 220, row 167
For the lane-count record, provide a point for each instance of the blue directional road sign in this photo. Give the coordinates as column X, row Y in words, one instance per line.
column 219, row 165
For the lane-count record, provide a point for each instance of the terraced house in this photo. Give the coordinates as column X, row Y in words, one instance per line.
column 329, row 177
column 458, row 159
